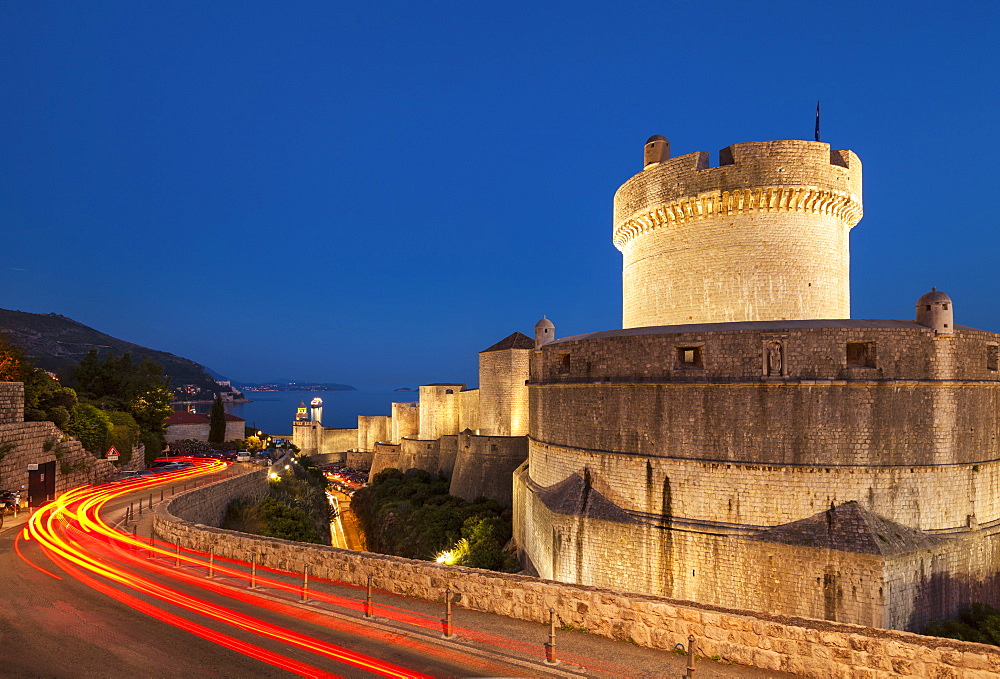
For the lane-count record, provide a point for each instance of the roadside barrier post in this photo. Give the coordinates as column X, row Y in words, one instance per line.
column 177, row 554
column 150, row 502
column 130, row 515
column 253, row 571
column 161, row 494
column 305, row 583
column 368, row 599
column 550, row 648
column 140, row 506
column 447, row 613
column 690, row 664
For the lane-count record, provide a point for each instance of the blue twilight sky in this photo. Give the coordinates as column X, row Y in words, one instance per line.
column 372, row 192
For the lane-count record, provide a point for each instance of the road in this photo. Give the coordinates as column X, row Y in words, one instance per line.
column 88, row 600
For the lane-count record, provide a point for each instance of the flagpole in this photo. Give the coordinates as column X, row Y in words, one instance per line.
column 817, row 120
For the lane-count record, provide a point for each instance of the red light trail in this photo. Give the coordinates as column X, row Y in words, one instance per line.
column 73, row 534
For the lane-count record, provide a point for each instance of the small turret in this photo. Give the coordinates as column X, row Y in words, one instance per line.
column 657, row 150
column 935, row 310
column 302, row 413
column 316, row 406
column 545, row 332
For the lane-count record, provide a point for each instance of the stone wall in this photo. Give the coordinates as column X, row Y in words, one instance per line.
column 503, row 399
column 207, row 505
column 386, row 456
column 485, row 464
column 439, row 410
column 360, row 459
column 884, row 576
column 802, row 646
column 40, row 442
column 420, row 454
column 405, row 421
column 338, row 440
column 468, row 405
column 926, row 497
column 763, row 236
column 818, row 410
column 11, row 402
column 371, row 430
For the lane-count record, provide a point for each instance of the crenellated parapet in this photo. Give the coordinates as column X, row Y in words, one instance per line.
column 761, row 236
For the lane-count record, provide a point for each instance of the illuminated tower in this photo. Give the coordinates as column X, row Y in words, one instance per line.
column 317, row 410
column 763, row 236
column 301, row 414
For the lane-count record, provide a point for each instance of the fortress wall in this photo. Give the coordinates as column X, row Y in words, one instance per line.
column 305, row 436
column 866, row 423
column 903, row 591
column 468, row 405
column 439, row 410
column 405, row 421
column 485, row 464
column 503, row 400
column 373, row 429
column 447, row 454
column 721, row 570
column 763, row 236
column 801, row 646
column 903, row 351
column 761, row 495
column 386, row 456
column 420, row 454
column 335, row 440
column 360, row 459
column 11, row 402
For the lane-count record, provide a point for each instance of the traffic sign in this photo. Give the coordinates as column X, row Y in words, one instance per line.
column 112, row 454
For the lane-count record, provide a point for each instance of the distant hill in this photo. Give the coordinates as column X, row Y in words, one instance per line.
column 293, row 386
column 56, row 343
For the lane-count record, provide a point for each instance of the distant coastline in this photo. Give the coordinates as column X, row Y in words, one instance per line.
column 294, row 386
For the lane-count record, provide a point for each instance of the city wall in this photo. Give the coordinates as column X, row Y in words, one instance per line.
column 23, row 443
column 484, row 466
column 405, row 421
column 878, row 574
column 373, row 429
column 386, row 456
column 926, row 497
column 802, row 646
column 503, row 397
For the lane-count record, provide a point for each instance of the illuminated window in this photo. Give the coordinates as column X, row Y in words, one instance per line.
column 689, row 357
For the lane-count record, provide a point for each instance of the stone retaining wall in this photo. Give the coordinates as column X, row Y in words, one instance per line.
column 803, row 646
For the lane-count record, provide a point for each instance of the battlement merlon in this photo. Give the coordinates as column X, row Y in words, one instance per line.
column 760, row 176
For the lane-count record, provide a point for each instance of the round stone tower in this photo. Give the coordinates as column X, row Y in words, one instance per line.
column 761, row 237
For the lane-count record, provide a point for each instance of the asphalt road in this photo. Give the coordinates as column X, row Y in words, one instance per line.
column 53, row 625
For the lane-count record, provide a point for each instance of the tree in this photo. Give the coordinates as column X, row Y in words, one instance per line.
column 14, row 365
column 118, row 383
column 92, row 427
column 217, row 424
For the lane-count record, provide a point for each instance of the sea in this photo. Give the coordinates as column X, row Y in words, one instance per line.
column 273, row 411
